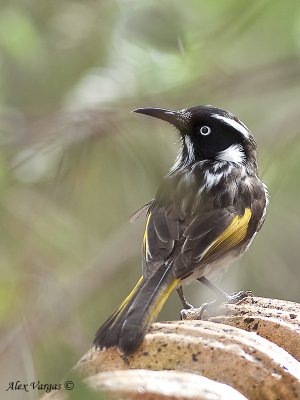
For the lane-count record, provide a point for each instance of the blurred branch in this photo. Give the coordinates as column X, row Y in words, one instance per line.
column 68, row 127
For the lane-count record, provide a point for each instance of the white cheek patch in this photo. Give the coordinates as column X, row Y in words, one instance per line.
column 239, row 126
column 234, row 154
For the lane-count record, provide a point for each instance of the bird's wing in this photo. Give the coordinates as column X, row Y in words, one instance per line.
column 189, row 242
column 209, row 237
column 162, row 234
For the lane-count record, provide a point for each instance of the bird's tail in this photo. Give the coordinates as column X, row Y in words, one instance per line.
column 127, row 326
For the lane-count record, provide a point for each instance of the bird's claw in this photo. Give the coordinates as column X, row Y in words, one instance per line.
column 232, row 298
column 185, row 311
column 235, row 297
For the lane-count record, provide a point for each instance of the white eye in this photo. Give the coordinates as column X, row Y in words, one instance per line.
column 205, row 130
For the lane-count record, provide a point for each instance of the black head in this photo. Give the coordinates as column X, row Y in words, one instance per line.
column 209, row 133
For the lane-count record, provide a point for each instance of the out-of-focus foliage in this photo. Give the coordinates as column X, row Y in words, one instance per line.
column 76, row 164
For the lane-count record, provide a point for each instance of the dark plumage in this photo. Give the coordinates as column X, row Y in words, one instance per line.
column 204, row 216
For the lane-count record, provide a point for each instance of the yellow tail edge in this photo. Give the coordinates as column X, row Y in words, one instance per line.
column 160, row 301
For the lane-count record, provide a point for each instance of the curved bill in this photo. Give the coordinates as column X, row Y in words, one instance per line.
column 173, row 117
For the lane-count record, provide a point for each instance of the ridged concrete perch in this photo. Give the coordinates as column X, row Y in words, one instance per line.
column 257, row 362
column 275, row 320
column 159, row 385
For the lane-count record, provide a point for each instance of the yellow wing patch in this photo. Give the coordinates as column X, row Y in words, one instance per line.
column 233, row 234
column 145, row 240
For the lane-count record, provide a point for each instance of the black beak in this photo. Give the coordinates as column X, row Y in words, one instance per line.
column 173, row 117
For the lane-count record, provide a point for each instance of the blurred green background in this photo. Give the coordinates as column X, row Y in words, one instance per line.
column 76, row 163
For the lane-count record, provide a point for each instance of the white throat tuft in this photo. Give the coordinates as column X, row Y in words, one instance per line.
column 234, row 154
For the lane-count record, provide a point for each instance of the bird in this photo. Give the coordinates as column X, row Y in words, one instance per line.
column 204, row 216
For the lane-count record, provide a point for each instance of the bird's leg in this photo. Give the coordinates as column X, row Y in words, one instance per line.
column 222, row 296
column 186, row 305
column 230, row 298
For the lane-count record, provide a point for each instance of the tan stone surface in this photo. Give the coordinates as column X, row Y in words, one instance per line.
column 241, row 350
column 140, row 384
column 273, row 319
column 251, row 364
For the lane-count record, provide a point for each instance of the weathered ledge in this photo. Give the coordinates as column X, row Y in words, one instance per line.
column 273, row 319
column 258, row 361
